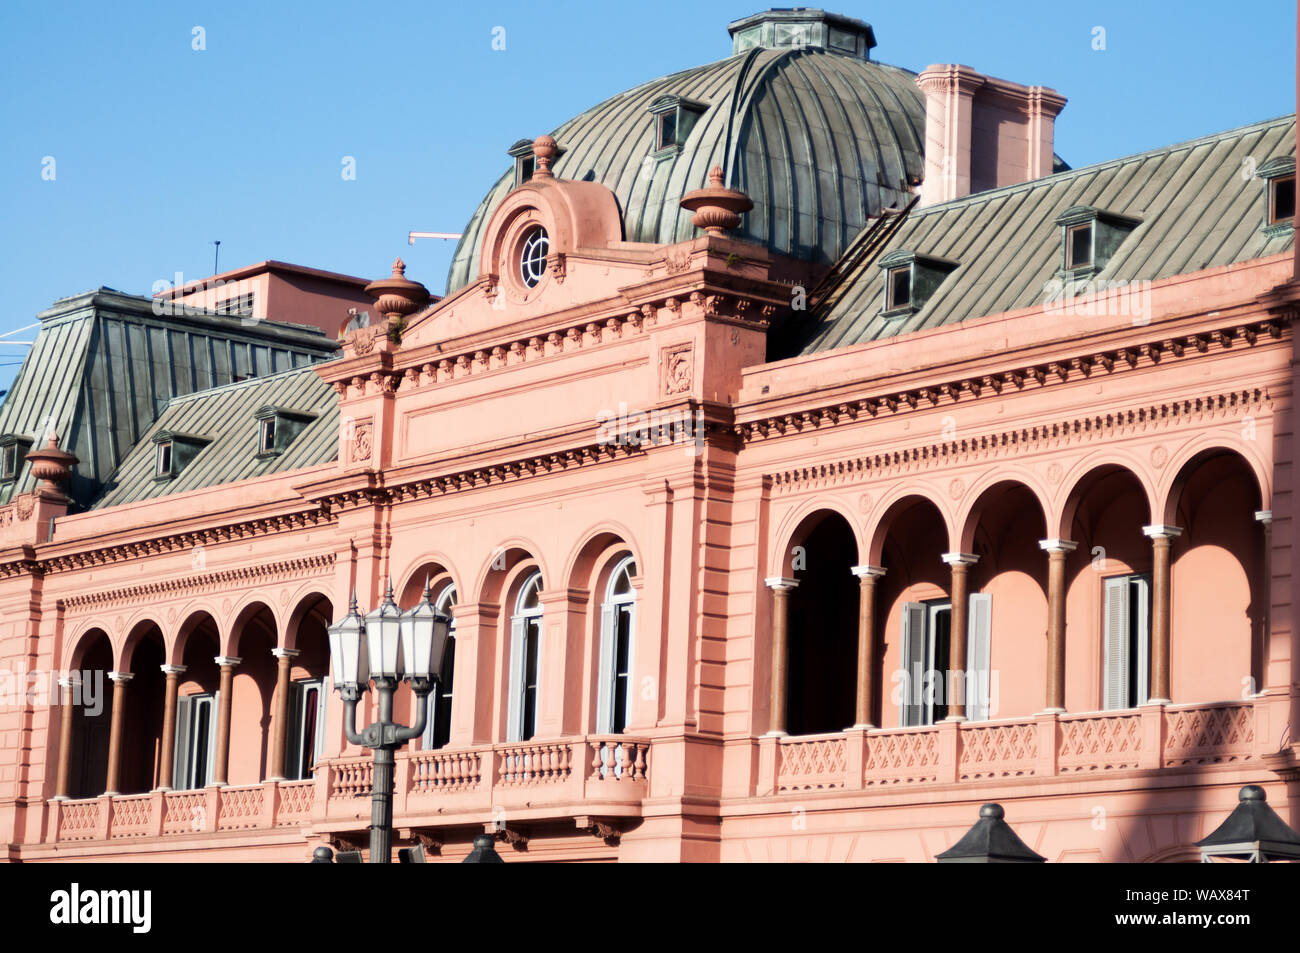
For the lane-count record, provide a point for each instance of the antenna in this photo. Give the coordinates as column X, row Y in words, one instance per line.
column 450, row 236
column 216, row 253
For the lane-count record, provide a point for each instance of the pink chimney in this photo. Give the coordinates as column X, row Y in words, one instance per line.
column 982, row 132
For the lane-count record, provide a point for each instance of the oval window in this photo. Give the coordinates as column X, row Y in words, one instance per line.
column 532, row 259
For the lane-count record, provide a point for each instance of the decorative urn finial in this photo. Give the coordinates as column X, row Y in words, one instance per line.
column 397, row 296
column 51, row 466
column 545, row 150
column 717, row 208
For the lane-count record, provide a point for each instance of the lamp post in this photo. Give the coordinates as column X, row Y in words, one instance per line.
column 386, row 646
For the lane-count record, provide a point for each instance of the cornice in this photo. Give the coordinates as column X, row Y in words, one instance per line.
column 438, row 364
column 185, row 541
column 1109, row 426
column 198, row 583
column 1090, row 364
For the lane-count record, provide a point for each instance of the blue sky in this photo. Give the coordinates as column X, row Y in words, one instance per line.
column 159, row 149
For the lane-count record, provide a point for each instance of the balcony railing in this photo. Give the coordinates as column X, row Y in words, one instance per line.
column 464, row 784
column 1041, row 746
column 609, row 774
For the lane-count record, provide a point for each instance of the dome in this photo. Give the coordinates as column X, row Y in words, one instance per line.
column 799, row 117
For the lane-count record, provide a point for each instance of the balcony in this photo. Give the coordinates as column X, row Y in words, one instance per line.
column 600, row 775
column 1040, row 746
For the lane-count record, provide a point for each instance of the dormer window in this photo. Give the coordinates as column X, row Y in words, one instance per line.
column 1089, row 239
column 1078, row 246
column 910, row 280
column 898, row 293
column 276, row 429
column 674, row 118
column 266, row 436
column 1279, row 178
column 13, row 450
column 174, row 451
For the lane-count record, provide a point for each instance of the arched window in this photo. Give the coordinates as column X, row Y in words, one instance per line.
column 438, row 731
column 617, row 627
column 525, row 653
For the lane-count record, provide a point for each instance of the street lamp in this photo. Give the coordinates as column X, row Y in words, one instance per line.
column 386, row 646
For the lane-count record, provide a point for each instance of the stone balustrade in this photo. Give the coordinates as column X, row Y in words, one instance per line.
column 1039, row 746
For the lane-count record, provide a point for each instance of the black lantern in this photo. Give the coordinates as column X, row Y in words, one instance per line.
column 990, row 841
column 1253, row 832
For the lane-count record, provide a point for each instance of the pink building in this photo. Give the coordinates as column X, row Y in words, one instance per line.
column 788, row 512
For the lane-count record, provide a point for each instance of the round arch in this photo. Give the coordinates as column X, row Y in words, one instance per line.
column 498, row 568
column 1192, row 455
column 1083, row 477
column 798, row 523
column 983, row 494
column 895, row 503
column 587, row 556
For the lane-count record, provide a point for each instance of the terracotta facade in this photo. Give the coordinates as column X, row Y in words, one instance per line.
column 787, row 521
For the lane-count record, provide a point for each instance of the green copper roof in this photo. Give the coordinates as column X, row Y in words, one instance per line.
column 820, row 140
column 1196, row 202
column 226, row 417
column 103, row 366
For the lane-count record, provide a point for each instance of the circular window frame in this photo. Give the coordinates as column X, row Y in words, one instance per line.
column 514, row 238
column 525, row 258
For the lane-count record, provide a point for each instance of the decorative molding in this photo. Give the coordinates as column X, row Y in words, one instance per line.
column 1025, row 440
column 1046, row 374
column 198, row 584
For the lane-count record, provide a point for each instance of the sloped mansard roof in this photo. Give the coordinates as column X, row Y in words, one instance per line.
column 224, row 416
column 103, row 366
column 1196, row 208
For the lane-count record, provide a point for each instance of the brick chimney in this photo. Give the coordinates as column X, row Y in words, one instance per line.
column 982, row 133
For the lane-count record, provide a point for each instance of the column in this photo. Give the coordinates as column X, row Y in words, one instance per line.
column 222, row 760
column 1260, row 655
column 781, row 588
column 280, row 724
column 1161, row 536
column 67, row 692
column 167, row 755
column 867, row 576
column 1057, row 550
column 119, row 680
column 959, row 563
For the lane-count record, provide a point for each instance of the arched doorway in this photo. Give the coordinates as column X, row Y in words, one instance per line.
column 822, row 648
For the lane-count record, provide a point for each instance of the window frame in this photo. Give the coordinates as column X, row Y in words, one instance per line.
column 437, row 732
column 525, row 678
column 1274, row 219
column 188, row 758
column 616, row 608
column 1071, row 235
column 298, row 712
column 1121, row 672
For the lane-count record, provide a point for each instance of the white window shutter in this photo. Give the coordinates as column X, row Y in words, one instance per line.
column 1141, row 592
column 515, row 707
column 213, row 714
column 1115, row 643
column 322, row 699
column 605, row 676
column 913, row 647
column 979, row 637
column 181, row 756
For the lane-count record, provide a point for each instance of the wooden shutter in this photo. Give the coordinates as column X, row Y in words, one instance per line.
column 515, row 707
column 180, row 756
column 1141, row 594
column 1115, row 614
column 605, row 671
column 979, row 631
column 913, row 644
